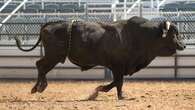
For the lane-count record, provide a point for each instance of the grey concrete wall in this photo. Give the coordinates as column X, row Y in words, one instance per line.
column 93, row 73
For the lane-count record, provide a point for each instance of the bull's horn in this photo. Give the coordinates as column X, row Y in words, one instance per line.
column 167, row 25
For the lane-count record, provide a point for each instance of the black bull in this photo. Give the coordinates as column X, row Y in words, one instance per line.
column 124, row 47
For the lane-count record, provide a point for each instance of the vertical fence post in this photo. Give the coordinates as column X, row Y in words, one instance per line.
column 86, row 11
column 41, row 49
column 107, row 74
column 41, row 45
column 125, row 9
column 176, row 57
column 140, row 8
column 175, row 66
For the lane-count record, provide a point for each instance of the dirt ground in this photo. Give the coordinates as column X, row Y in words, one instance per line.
column 72, row 95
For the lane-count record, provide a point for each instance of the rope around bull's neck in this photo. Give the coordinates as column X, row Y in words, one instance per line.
column 70, row 36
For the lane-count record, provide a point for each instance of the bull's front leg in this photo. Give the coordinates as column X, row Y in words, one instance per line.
column 101, row 88
column 118, row 82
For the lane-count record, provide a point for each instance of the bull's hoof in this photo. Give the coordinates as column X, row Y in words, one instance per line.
column 121, row 98
column 93, row 96
column 39, row 87
column 34, row 90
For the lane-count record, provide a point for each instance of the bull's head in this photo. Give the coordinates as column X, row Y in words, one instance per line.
column 172, row 41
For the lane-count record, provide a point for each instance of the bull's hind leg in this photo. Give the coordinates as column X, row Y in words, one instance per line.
column 44, row 65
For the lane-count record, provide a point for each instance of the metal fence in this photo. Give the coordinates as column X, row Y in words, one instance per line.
column 28, row 26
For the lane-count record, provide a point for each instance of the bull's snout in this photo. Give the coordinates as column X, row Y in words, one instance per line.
column 181, row 46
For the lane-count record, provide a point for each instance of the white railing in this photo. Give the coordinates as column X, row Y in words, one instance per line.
column 133, row 6
column 13, row 12
column 160, row 3
column 114, row 10
column 5, row 4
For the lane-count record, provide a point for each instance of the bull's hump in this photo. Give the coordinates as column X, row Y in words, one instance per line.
column 90, row 29
column 52, row 27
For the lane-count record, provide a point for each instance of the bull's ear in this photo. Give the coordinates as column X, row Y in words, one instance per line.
column 165, row 29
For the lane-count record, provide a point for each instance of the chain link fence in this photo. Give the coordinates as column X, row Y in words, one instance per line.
column 27, row 26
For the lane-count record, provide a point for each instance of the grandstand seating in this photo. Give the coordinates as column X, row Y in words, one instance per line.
column 31, row 8
column 190, row 6
column 178, row 6
column 1, row 4
column 10, row 8
column 48, row 7
column 66, row 8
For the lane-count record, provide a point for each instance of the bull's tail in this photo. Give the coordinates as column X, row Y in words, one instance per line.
column 18, row 43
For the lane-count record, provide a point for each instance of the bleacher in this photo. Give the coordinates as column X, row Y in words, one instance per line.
column 44, row 7
column 75, row 8
column 178, row 6
column 59, row 10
